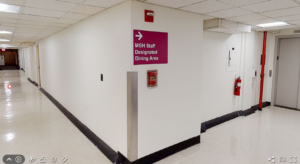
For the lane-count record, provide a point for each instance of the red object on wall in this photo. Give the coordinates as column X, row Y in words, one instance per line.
column 237, row 87
column 262, row 74
column 149, row 16
column 152, row 78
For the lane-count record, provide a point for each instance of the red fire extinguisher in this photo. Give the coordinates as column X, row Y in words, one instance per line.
column 237, row 86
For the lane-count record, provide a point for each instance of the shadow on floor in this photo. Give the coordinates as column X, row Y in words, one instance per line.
column 7, row 67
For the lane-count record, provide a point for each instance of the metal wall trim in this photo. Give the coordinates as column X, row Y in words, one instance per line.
column 132, row 116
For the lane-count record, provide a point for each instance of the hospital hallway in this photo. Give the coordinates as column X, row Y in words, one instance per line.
column 32, row 125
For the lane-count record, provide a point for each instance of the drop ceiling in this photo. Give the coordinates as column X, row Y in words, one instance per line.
column 38, row 19
column 251, row 12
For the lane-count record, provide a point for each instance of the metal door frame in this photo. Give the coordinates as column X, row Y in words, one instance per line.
column 276, row 65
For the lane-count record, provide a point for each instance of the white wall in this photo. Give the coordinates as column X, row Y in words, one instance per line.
column 72, row 61
column 218, row 84
column 30, row 62
column 20, row 54
column 170, row 113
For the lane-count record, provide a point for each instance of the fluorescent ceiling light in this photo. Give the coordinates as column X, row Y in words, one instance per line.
column 9, row 8
column 4, row 40
column 5, row 32
column 274, row 24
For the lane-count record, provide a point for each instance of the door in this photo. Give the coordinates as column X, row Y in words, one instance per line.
column 10, row 58
column 39, row 64
column 287, row 93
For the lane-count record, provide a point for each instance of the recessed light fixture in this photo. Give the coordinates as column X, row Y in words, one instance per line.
column 4, row 40
column 9, row 8
column 274, row 24
column 5, row 32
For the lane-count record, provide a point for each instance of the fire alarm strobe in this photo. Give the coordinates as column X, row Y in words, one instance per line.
column 152, row 78
column 149, row 16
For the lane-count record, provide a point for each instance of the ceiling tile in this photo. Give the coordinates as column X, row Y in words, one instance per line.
column 59, row 25
column 289, row 18
column 33, row 39
column 283, row 12
column 21, row 37
column 261, row 21
column 35, row 23
column 174, row 3
column 6, row 37
column 12, row 2
column 42, row 12
column 43, row 34
column 25, row 33
column 37, row 18
column 5, row 28
column 86, row 9
column 9, row 15
column 241, row 2
column 206, row 17
column 50, row 5
column 230, row 13
column 73, row 1
column 9, row 24
column 30, row 26
column 75, row 16
column 4, row 43
column 250, row 17
column 297, row 22
column 103, row 3
column 271, row 5
column 66, row 21
column 53, row 28
column 207, row 6
column 4, row 20
column 50, row 30
column 17, row 30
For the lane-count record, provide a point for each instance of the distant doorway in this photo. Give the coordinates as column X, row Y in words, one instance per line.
column 9, row 59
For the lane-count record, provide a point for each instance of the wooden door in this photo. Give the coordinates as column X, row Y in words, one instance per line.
column 10, row 58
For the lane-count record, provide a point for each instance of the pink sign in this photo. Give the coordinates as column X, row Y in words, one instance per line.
column 150, row 47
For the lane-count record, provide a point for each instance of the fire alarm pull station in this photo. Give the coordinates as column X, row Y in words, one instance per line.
column 149, row 16
column 152, row 78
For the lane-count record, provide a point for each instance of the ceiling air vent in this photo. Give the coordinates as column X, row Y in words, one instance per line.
column 225, row 26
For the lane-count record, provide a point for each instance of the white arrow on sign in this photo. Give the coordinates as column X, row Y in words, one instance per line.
column 140, row 36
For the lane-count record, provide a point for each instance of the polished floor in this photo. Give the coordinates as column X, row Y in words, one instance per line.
column 247, row 140
column 32, row 126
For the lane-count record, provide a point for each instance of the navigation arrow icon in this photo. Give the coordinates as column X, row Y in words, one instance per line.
column 140, row 36
column 8, row 159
